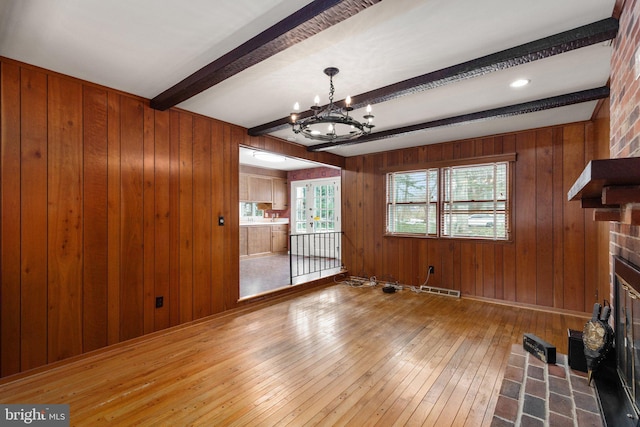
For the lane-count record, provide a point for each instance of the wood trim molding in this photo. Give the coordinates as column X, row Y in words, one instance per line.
column 477, row 160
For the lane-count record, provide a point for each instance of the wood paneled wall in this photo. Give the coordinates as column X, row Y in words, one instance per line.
column 601, row 134
column 107, row 204
column 552, row 260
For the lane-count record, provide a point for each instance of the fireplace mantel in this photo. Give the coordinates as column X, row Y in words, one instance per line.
column 612, row 186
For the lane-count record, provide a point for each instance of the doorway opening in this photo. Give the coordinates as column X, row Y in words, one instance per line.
column 289, row 222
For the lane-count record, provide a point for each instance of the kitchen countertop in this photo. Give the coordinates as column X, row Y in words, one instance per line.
column 266, row 221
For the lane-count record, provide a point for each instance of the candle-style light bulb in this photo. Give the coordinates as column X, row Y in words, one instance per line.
column 368, row 108
column 296, row 107
column 347, row 101
column 316, row 100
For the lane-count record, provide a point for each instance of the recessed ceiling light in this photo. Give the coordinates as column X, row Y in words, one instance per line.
column 268, row 157
column 520, row 83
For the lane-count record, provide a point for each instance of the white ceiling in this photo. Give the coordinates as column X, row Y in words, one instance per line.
column 248, row 157
column 146, row 46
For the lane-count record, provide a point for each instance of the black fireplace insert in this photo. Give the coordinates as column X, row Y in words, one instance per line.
column 618, row 383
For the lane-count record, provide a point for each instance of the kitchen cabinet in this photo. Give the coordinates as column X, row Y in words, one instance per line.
column 263, row 239
column 258, row 239
column 280, row 194
column 244, row 242
column 243, row 189
column 259, row 189
column 279, row 238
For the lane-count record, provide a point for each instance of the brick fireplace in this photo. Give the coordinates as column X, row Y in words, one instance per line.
column 625, row 115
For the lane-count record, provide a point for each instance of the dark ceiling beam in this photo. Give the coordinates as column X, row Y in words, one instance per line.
column 306, row 22
column 502, row 112
column 586, row 35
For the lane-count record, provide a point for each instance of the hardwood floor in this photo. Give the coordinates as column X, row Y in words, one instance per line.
column 332, row 356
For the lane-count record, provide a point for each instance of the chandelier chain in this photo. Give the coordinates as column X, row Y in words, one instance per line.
column 331, row 90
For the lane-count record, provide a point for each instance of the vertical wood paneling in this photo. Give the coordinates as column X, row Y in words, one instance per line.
column 219, row 144
column 33, row 208
column 149, row 208
column 95, row 286
column 65, row 218
column 369, row 203
column 357, row 210
column 174, row 217
column 352, row 215
column 574, row 237
column 202, row 218
column 499, row 272
column 509, row 250
column 531, row 269
column 467, row 262
column 442, row 254
column 558, row 219
column 226, row 296
column 348, row 226
column 113, row 218
column 601, row 141
column 163, row 214
column 10, row 301
column 479, row 273
column 544, row 217
column 186, row 218
column 405, row 262
column 379, row 209
column 591, row 250
column 131, row 219
column 489, row 270
column 525, row 211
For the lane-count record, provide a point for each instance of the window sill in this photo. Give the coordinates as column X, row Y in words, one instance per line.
column 459, row 239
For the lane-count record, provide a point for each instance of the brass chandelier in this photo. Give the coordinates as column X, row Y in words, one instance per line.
column 331, row 123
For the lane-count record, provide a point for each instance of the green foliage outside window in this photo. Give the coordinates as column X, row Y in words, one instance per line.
column 458, row 201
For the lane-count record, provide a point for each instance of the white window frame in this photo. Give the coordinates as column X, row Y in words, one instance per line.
column 487, row 218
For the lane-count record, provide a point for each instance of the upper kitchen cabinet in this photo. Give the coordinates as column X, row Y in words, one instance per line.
column 243, row 190
column 260, row 189
column 280, row 195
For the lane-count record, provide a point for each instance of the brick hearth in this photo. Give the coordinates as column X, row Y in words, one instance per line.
column 534, row 393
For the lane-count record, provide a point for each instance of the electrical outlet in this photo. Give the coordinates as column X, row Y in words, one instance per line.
column 159, row 302
column 432, row 269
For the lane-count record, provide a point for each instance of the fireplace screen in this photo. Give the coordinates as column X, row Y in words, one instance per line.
column 628, row 329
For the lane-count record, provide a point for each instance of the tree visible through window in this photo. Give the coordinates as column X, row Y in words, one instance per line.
column 412, row 202
column 472, row 202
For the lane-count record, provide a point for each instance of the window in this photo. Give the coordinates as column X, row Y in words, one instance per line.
column 412, row 199
column 469, row 201
column 250, row 210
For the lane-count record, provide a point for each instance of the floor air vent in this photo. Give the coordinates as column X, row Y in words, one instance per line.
column 440, row 291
